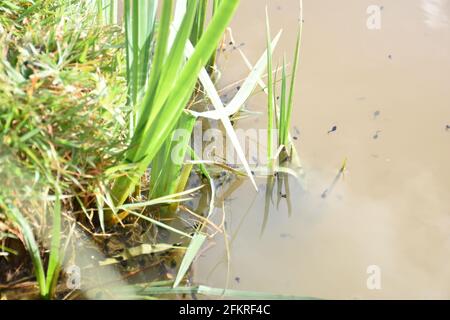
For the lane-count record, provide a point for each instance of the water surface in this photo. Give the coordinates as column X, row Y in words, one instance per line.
column 387, row 92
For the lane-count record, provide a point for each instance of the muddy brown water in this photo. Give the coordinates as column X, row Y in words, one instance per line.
column 387, row 92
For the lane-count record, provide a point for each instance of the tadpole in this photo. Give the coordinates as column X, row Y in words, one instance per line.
column 333, row 129
column 376, row 114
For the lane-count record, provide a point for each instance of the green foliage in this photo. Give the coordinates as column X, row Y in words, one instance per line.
column 282, row 118
column 170, row 87
column 287, row 99
column 140, row 18
column 46, row 280
column 62, row 118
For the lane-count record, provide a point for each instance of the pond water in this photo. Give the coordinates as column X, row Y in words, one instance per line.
column 387, row 92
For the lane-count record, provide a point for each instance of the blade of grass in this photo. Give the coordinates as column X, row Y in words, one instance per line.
column 54, row 262
column 210, row 291
column 283, row 124
column 160, row 224
column 212, row 60
column 294, row 72
column 199, row 23
column 161, row 200
column 193, row 248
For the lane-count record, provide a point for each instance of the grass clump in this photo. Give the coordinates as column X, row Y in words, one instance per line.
column 61, row 114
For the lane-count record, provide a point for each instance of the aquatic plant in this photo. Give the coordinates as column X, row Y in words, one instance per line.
column 281, row 114
column 170, row 86
column 89, row 119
